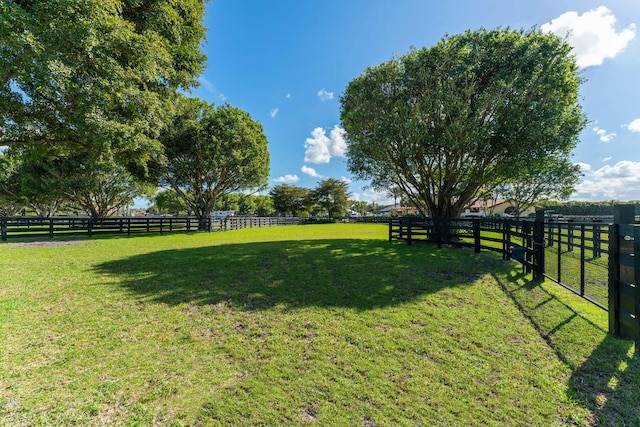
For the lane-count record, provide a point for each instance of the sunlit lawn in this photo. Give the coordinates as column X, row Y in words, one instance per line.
column 325, row 324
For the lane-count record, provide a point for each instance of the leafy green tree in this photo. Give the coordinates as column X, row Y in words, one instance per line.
column 44, row 181
column 289, row 199
column 25, row 182
column 96, row 75
column 264, row 205
column 470, row 112
column 99, row 186
column 553, row 179
column 332, row 196
column 212, row 151
column 169, row 202
column 102, row 188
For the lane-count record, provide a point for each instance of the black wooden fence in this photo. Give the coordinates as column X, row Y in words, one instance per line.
column 27, row 227
column 594, row 259
column 521, row 239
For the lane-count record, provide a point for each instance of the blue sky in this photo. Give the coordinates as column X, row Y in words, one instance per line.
column 287, row 62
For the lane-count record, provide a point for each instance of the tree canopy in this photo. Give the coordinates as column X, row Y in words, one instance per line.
column 99, row 186
column 212, row 151
column 332, row 196
column 98, row 75
column 468, row 113
column 289, row 199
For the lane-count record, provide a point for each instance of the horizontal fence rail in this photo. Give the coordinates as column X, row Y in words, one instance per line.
column 36, row 227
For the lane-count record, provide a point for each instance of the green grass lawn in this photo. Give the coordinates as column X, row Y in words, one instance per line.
column 316, row 324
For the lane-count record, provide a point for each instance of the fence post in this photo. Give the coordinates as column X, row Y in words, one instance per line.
column 582, row 259
column 506, row 239
column 538, row 246
column 51, row 227
column 3, row 228
column 559, row 246
column 476, row 235
column 90, row 226
column 636, row 275
column 618, row 275
column 409, row 230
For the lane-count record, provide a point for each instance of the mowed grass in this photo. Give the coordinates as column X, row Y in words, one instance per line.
column 315, row 324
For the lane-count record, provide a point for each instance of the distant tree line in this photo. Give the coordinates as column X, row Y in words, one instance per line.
column 588, row 208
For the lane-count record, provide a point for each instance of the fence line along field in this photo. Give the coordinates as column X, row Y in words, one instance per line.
column 328, row 324
column 37, row 227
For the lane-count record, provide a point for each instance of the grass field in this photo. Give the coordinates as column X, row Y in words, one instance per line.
column 316, row 324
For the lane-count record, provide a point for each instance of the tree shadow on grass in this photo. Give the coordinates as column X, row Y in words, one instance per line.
column 360, row 274
column 605, row 375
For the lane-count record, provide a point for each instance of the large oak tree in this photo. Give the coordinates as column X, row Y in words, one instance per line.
column 468, row 113
column 212, row 151
column 289, row 199
column 100, row 76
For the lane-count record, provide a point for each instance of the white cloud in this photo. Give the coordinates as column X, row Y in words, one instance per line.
column 287, row 179
column 274, row 113
column 634, row 126
column 606, row 159
column 320, row 148
column 592, row 35
column 324, row 95
column 310, row 171
column 288, row 96
column 604, row 136
column 584, row 166
column 222, row 98
column 345, row 179
column 623, row 169
column 618, row 182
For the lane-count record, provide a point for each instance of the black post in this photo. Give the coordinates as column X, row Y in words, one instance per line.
column 51, row 227
column 476, row 234
column 582, row 260
column 3, row 228
column 636, row 249
column 538, row 246
column 622, row 215
column 409, row 230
